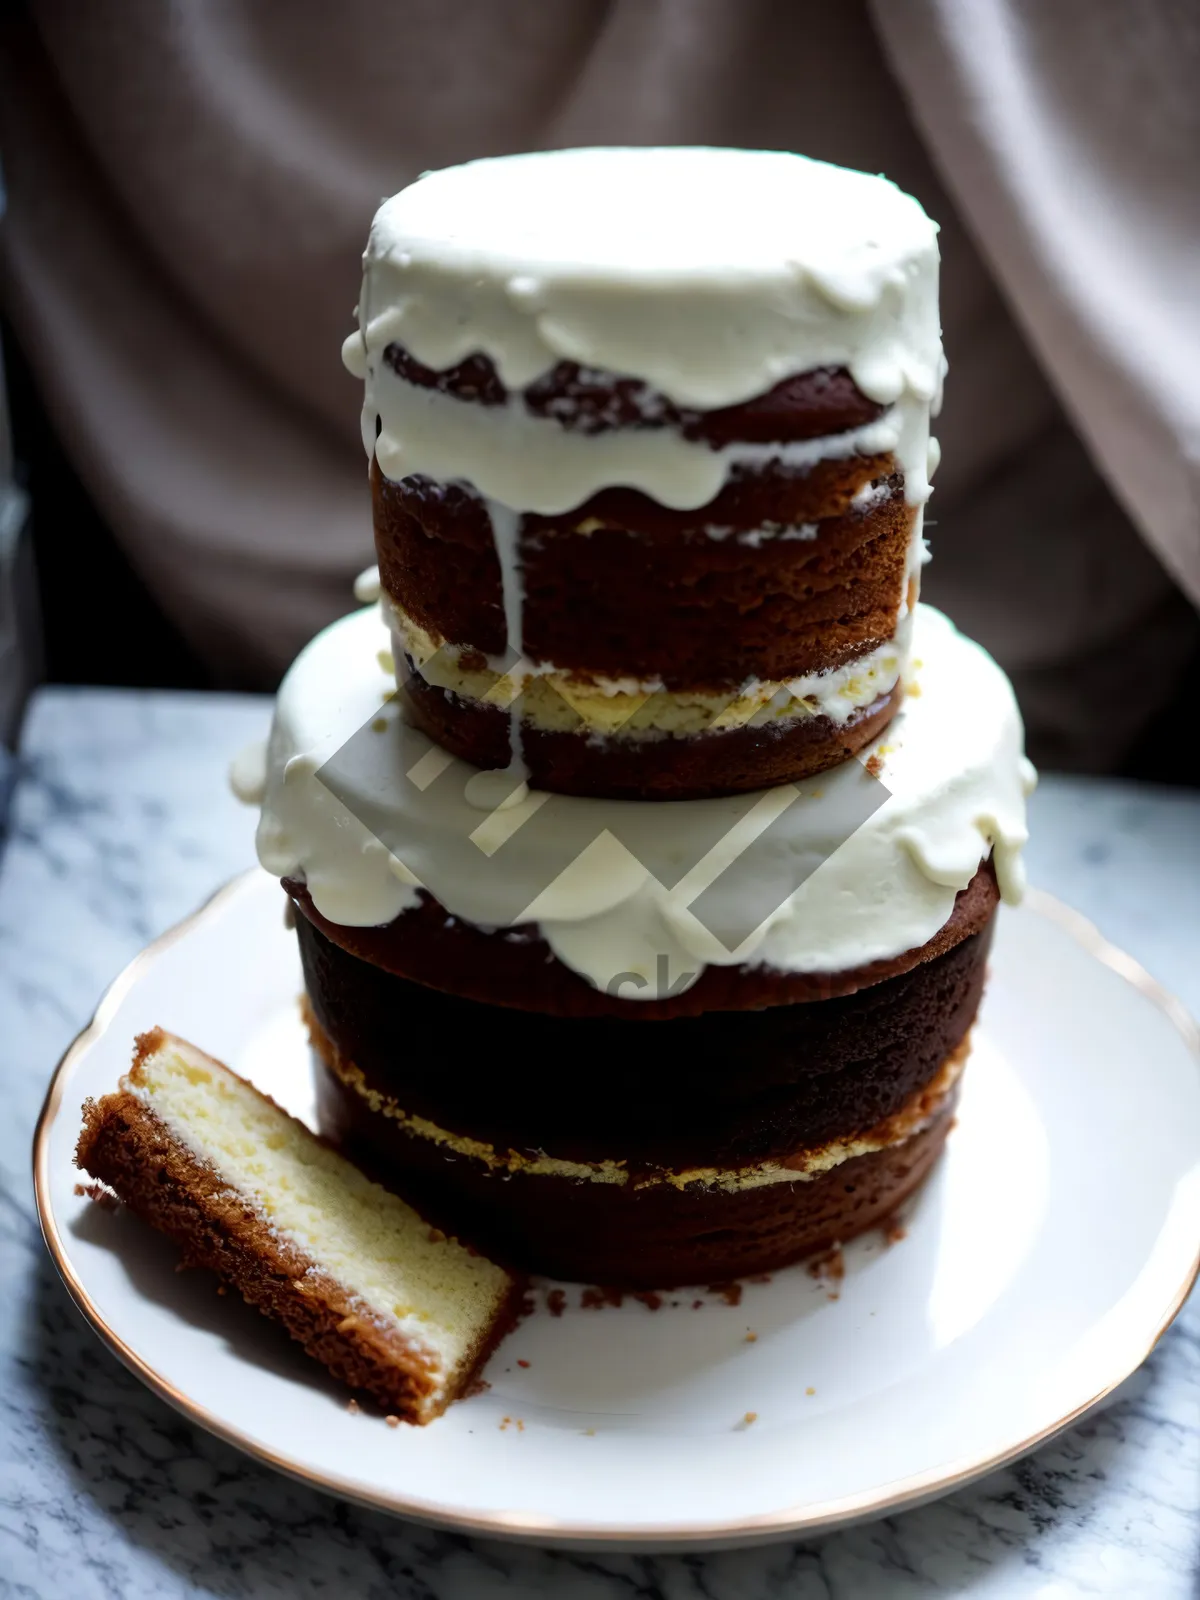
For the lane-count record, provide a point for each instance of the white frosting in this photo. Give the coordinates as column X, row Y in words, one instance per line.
column 517, row 459
column 710, row 275
column 755, row 538
column 952, row 762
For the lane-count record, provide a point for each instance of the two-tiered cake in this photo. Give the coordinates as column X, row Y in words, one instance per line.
column 644, row 925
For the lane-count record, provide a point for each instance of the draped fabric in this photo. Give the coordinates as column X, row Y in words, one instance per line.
column 190, row 187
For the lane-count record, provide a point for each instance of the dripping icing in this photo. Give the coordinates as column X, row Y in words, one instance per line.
column 506, row 536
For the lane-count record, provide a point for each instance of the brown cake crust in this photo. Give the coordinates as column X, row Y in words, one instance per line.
column 649, row 767
column 517, row 968
column 645, row 592
column 810, row 405
column 728, row 1089
column 651, row 1236
column 129, row 1148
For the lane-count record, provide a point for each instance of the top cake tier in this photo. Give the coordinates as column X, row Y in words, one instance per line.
column 649, row 433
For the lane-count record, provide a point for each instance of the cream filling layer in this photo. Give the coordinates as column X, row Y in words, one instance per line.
column 801, row 1167
column 561, row 701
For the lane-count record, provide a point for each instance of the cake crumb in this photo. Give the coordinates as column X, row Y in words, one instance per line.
column 595, row 1296
column 505, row 1422
column 221, row 1289
column 830, row 1266
column 751, row 1336
column 731, row 1293
column 556, row 1302
column 392, row 1420
column 649, row 1299
column 522, row 1363
column 696, row 1304
column 829, row 1269
column 589, row 1433
column 436, row 1236
column 893, row 1231
column 520, row 1426
column 353, row 1407
column 810, row 1390
column 750, row 1416
column 379, row 725
column 874, row 765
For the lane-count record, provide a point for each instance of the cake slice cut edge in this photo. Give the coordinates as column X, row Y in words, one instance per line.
column 386, row 1303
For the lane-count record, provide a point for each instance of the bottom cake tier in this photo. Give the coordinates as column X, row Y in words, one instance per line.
column 648, row 1153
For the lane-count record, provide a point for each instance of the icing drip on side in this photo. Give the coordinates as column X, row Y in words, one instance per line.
column 506, row 534
column 529, row 463
column 248, row 773
column 367, row 588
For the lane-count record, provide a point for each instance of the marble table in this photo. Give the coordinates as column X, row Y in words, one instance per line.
column 120, row 824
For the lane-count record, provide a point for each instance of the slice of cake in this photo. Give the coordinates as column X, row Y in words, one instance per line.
column 386, row 1303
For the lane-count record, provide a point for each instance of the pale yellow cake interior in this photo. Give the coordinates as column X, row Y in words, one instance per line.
column 442, row 1296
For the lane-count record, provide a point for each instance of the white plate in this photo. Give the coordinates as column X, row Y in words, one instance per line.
column 1052, row 1247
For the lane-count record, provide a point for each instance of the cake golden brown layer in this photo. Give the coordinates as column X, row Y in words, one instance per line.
column 628, row 588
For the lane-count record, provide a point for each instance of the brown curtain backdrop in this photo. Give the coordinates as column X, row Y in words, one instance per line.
column 190, row 187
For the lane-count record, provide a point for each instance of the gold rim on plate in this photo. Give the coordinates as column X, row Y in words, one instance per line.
column 806, row 1519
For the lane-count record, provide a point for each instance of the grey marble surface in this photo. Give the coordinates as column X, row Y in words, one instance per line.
column 121, row 824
